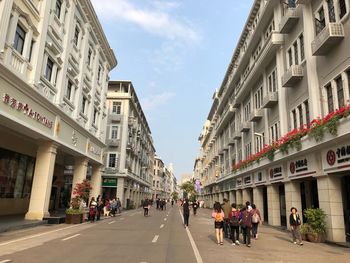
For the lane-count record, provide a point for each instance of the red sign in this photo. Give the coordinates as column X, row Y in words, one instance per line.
column 292, row 167
column 331, row 157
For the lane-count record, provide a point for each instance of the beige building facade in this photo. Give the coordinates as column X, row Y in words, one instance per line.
column 54, row 66
column 129, row 157
column 291, row 65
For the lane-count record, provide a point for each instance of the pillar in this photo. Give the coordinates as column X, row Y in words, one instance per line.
column 273, row 201
column 259, row 200
column 232, row 197
column 239, row 200
column 246, row 195
column 331, row 202
column 42, row 182
column 5, row 14
column 293, row 198
column 120, row 190
column 96, row 181
column 80, row 170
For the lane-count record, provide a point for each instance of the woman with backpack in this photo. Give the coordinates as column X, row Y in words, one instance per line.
column 246, row 225
column 234, row 218
column 256, row 220
column 218, row 215
column 295, row 222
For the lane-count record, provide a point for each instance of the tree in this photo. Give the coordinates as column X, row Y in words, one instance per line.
column 189, row 189
column 175, row 195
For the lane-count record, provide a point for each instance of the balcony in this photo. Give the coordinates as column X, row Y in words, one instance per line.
column 244, row 127
column 110, row 170
column 270, row 100
column 289, row 20
column 292, row 76
column 236, row 135
column 256, row 115
column 115, row 117
column 330, row 36
column 113, row 142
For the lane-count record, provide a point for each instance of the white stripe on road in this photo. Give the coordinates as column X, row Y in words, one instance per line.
column 162, row 225
column 67, row 238
column 155, row 238
column 112, row 222
column 6, row 261
column 165, row 219
column 193, row 244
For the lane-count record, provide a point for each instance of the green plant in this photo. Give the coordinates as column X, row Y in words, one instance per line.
column 74, row 211
column 305, row 229
column 81, row 192
column 316, row 219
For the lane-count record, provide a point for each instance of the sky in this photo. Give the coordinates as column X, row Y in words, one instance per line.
column 176, row 53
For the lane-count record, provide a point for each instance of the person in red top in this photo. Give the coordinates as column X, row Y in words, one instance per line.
column 234, row 218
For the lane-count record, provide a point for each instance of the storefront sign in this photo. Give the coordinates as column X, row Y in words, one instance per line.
column 27, row 110
column 276, row 173
column 301, row 167
column 109, row 182
column 337, row 158
column 260, row 177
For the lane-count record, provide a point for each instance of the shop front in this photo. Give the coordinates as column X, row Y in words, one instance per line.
column 109, row 187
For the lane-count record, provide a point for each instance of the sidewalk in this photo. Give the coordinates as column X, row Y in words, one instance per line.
column 16, row 222
column 273, row 246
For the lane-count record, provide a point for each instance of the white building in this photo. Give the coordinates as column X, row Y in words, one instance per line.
column 130, row 154
column 291, row 65
column 54, row 66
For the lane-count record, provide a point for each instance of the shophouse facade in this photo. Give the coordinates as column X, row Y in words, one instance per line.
column 291, row 65
column 158, row 186
column 129, row 158
column 54, row 66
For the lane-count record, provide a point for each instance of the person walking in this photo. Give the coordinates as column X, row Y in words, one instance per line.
column 235, row 217
column 99, row 209
column 172, row 202
column 195, row 207
column 226, row 209
column 158, row 203
column 186, row 212
column 145, row 207
column 218, row 215
column 92, row 209
column 246, row 226
column 118, row 206
column 295, row 222
column 256, row 220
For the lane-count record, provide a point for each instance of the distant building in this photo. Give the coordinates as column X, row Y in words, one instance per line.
column 129, row 157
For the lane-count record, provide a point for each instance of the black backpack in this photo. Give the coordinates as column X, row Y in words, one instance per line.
column 234, row 221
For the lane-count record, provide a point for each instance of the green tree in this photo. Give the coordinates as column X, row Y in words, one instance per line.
column 189, row 189
column 175, row 195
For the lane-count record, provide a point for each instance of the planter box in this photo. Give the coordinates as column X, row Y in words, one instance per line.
column 316, row 238
column 74, row 218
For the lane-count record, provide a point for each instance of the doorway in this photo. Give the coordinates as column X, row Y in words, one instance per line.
column 346, row 205
column 265, row 205
column 283, row 212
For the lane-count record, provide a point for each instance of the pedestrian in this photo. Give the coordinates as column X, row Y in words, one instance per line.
column 145, row 207
column 113, row 207
column 172, row 202
column 256, row 220
column 235, row 217
column 164, row 203
column 218, row 215
column 158, row 203
column 106, row 208
column 99, row 209
column 186, row 212
column 246, row 225
column 92, row 209
column 295, row 222
column 195, row 206
column 227, row 209
column 118, row 206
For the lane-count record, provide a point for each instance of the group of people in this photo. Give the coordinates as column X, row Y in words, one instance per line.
column 229, row 220
column 161, row 204
column 98, row 207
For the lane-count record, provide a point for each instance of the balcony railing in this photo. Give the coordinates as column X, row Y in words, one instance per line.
column 111, row 170
column 289, row 20
column 113, row 142
column 115, row 117
column 330, row 36
column 292, row 76
column 256, row 115
column 270, row 100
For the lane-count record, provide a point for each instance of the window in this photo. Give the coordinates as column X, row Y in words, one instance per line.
column 83, row 104
column 274, row 132
column 258, row 97
column 342, row 8
column 69, row 89
column 114, row 132
column 340, row 92
column 259, row 142
column 95, row 117
column 31, row 50
column 301, row 116
column 19, row 39
column 49, row 69
column 76, row 35
column 302, row 51
column 348, row 74
column 112, row 160
column 99, row 73
column 294, row 116
column 307, row 112
column 89, row 56
column 247, row 112
column 320, row 21
column 58, row 8
column 248, row 149
column 272, row 81
column 296, row 53
column 331, row 12
column 116, row 107
column 330, row 98
column 290, row 57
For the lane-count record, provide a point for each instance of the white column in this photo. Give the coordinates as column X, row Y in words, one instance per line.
column 293, row 197
column 12, row 28
column 42, row 181
column 259, row 200
column 96, row 181
column 239, row 197
column 273, row 205
column 80, row 170
column 5, row 13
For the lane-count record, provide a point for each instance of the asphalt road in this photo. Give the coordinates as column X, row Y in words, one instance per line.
column 159, row 238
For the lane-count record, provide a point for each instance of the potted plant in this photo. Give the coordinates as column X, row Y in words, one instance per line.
column 316, row 229
column 75, row 213
column 304, row 230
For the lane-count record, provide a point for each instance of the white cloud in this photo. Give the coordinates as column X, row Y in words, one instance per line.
column 154, row 101
column 155, row 19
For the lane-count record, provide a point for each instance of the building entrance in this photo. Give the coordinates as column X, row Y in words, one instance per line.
column 265, row 205
column 346, row 205
column 282, row 196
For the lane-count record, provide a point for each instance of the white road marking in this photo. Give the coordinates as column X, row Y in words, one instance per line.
column 193, row 244
column 67, row 238
column 165, row 219
column 6, row 261
column 112, row 222
column 155, row 238
column 39, row 235
column 162, row 225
